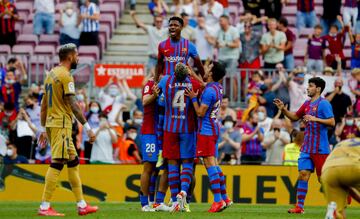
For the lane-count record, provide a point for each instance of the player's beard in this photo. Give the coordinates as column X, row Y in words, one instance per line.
column 73, row 65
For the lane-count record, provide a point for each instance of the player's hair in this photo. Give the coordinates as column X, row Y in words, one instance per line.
column 65, row 50
column 179, row 19
column 181, row 71
column 218, row 71
column 318, row 26
column 319, row 82
column 9, row 106
column 283, row 21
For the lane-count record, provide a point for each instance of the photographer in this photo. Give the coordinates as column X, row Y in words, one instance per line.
column 230, row 142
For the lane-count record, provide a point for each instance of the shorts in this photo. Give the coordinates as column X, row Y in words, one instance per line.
column 179, row 145
column 207, row 146
column 149, row 148
column 310, row 162
column 61, row 143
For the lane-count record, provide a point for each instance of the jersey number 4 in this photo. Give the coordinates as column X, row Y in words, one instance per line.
column 49, row 92
column 179, row 100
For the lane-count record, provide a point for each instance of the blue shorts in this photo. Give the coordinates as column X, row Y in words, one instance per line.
column 150, row 149
column 179, row 145
column 310, row 162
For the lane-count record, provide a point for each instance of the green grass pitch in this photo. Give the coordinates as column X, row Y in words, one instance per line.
column 16, row 210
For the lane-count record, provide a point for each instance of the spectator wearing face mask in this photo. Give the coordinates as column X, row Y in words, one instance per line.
column 94, row 121
column 264, row 120
column 355, row 49
column 25, row 134
column 347, row 128
column 225, row 110
column 137, row 121
column 339, row 101
column 11, row 90
column 274, row 143
column 12, row 157
column 292, row 150
column 69, row 23
column 82, row 100
column 297, row 89
column 230, row 140
column 128, row 151
column 102, row 151
column 252, row 136
column 20, row 71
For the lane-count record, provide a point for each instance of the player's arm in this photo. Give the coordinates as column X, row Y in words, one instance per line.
column 291, row 115
column 327, row 122
column 43, row 112
column 197, row 62
column 150, row 96
column 160, row 64
column 200, row 110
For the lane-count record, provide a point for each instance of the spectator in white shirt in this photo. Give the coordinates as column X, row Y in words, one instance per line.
column 33, row 110
column 102, row 150
column 205, row 39
column 264, row 121
column 69, row 23
column 228, row 42
column 297, row 89
column 44, row 18
column 156, row 34
column 274, row 143
column 212, row 12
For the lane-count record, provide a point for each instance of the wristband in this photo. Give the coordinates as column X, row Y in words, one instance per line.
column 87, row 126
column 194, row 99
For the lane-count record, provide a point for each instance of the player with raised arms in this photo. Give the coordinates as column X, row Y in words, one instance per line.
column 317, row 113
column 58, row 106
column 179, row 132
column 209, row 132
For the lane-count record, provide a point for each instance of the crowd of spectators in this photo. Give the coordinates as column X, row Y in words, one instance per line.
column 256, row 135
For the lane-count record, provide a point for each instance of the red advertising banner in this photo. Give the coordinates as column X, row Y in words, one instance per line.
column 133, row 73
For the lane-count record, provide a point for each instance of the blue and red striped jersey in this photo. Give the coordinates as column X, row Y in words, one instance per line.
column 180, row 115
column 305, row 5
column 252, row 147
column 211, row 97
column 150, row 111
column 173, row 52
column 316, row 137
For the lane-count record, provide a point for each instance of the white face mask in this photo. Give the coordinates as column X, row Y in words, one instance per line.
column 8, row 114
column 261, row 116
column 138, row 121
column 349, row 122
column 132, row 135
column 9, row 152
column 9, row 81
column 80, row 97
column 228, row 125
column 113, row 92
column 94, row 109
column 69, row 11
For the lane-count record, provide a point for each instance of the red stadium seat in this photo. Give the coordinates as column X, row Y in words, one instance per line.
column 120, row 3
column 18, row 28
column 28, row 29
column 23, row 49
column 28, row 39
column 44, row 50
column 49, row 39
column 5, row 49
column 305, row 32
column 26, row 7
column 90, row 51
column 110, row 9
column 109, row 19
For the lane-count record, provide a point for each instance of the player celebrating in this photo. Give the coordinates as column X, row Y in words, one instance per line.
column 317, row 113
column 176, row 50
column 208, row 134
column 57, row 107
column 341, row 176
column 179, row 132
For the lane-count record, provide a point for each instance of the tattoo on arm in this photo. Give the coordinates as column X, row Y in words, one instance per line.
column 70, row 99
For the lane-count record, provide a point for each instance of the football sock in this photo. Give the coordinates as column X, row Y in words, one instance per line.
column 222, row 184
column 152, row 188
column 186, row 175
column 51, row 179
column 301, row 192
column 214, row 183
column 160, row 196
column 74, row 179
column 144, row 200
column 174, row 181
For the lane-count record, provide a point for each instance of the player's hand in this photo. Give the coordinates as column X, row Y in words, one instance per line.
column 190, row 93
column 279, row 104
column 156, row 90
column 42, row 142
column 91, row 136
column 339, row 18
column 309, row 118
